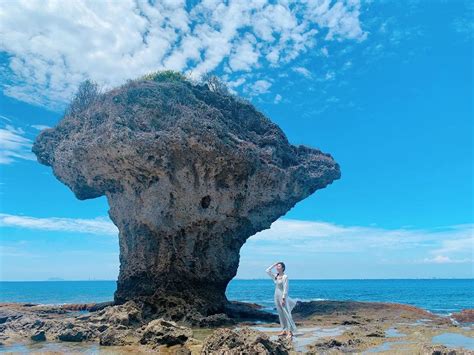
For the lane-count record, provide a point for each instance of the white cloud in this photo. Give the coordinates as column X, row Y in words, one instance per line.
column 55, row 45
column 329, row 75
column 5, row 118
column 236, row 83
column 442, row 259
column 245, row 55
column 40, row 127
column 449, row 245
column 310, row 236
column 463, row 244
column 259, row 87
column 303, row 71
column 342, row 19
column 14, row 145
column 277, row 99
column 99, row 225
column 445, row 240
column 464, row 25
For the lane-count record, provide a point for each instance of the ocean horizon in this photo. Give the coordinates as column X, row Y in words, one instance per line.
column 438, row 296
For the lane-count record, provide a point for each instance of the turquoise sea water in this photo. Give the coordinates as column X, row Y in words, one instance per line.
column 440, row 296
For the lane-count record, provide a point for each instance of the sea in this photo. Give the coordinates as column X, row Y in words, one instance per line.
column 439, row 296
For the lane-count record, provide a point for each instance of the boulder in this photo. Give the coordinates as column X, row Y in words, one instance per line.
column 74, row 334
column 243, row 341
column 162, row 332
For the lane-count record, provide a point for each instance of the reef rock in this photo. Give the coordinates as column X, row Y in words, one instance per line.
column 189, row 174
column 160, row 332
column 244, row 341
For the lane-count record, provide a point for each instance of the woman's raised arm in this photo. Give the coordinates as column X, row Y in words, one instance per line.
column 269, row 271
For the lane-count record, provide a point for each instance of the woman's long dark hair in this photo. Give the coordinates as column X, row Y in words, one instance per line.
column 283, row 266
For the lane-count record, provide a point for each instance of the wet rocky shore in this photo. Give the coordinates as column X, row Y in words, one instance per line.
column 324, row 327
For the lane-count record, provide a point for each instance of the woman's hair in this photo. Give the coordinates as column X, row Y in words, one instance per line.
column 282, row 265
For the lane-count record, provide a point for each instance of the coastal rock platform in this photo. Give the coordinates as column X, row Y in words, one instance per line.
column 328, row 327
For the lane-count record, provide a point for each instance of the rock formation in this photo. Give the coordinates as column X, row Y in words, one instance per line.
column 189, row 174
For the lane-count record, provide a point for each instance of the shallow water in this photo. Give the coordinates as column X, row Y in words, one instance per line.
column 393, row 333
column 69, row 348
column 47, row 346
column 454, row 340
column 385, row 346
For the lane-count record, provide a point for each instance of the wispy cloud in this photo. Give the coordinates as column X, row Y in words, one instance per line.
column 259, row 87
column 99, row 225
column 17, row 251
column 303, row 71
column 323, row 237
column 39, row 127
column 307, row 246
column 14, row 145
column 456, row 245
column 464, row 25
column 442, row 259
column 301, row 236
column 5, row 118
column 53, row 46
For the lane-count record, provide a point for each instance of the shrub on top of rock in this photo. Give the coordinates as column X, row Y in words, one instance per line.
column 164, row 75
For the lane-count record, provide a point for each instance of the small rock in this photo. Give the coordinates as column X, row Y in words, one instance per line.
column 350, row 322
column 126, row 314
column 103, row 327
column 163, row 332
column 39, row 336
column 441, row 350
column 216, row 320
column 337, row 344
column 244, row 341
column 114, row 336
column 73, row 335
column 38, row 323
column 334, row 343
column 376, row 334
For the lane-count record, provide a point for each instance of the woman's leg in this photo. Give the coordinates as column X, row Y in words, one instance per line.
column 288, row 320
column 280, row 315
column 283, row 318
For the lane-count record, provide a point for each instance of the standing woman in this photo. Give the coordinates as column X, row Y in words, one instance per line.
column 284, row 304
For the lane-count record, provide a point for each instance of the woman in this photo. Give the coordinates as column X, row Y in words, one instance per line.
column 284, row 304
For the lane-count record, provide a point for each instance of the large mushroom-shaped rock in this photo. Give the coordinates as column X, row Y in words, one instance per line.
column 189, row 174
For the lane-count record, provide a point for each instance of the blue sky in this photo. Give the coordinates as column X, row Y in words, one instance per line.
column 385, row 87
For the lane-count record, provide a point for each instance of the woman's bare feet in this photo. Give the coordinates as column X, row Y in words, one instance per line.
column 289, row 334
column 283, row 332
